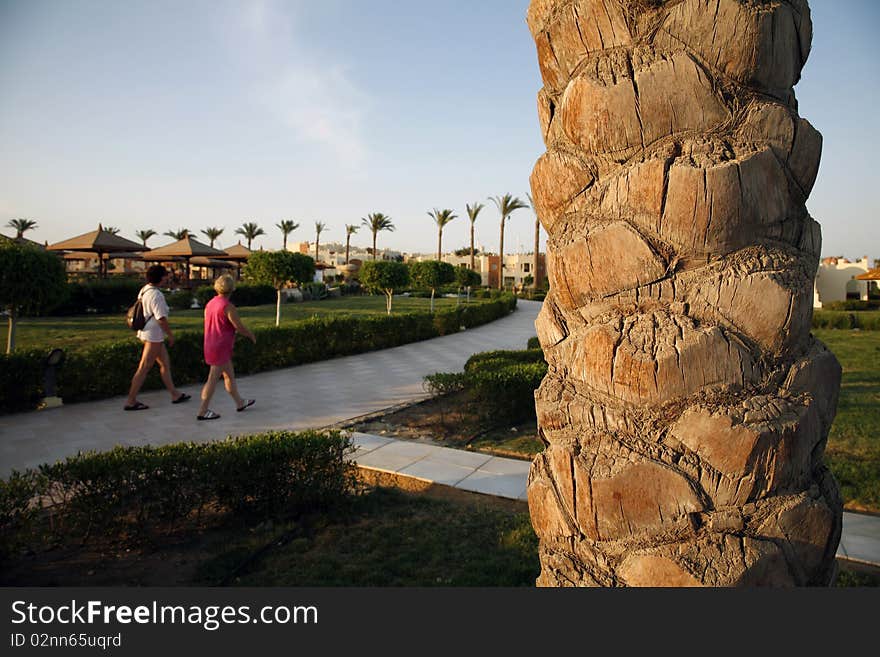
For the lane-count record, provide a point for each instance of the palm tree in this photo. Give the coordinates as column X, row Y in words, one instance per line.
column 286, row 226
column 537, row 243
column 473, row 211
column 350, row 229
column 212, row 234
column 144, row 235
column 506, row 205
column 441, row 218
column 179, row 234
column 113, row 230
column 319, row 228
column 250, row 231
column 21, row 226
column 376, row 222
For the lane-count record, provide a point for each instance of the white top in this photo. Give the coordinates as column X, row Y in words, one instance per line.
column 155, row 307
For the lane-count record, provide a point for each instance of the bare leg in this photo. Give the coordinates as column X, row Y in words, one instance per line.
column 229, row 382
column 148, row 357
column 210, row 385
column 164, row 361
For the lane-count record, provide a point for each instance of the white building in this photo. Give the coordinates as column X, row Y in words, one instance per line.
column 835, row 280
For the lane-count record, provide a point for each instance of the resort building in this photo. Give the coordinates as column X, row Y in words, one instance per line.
column 836, row 280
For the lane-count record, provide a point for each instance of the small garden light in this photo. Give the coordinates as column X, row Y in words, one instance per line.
column 53, row 361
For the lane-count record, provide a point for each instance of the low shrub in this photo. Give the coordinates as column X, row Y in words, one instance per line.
column 135, row 488
column 501, row 383
column 852, row 304
column 533, row 343
column 179, row 299
column 102, row 296
column 253, row 295
column 835, row 319
column 21, row 379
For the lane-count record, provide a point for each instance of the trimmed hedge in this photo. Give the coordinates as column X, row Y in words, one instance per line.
column 852, row 304
column 833, row 319
column 133, row 488
column 102, row 297
column 105, row 370
column 503, row 383
column 244, row 295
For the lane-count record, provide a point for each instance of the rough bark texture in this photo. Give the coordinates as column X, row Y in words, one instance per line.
column 687, row 406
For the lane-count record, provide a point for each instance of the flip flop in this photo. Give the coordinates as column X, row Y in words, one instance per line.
column 209, row 415
column 137, row 406
column 183, row 397
column 247, row 402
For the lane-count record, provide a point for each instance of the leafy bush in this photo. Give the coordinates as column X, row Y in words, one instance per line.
column 314, row 290
column 253, row 295
column 17, row 509
column 502, row 383
column 205, row 293
column 852, row 304
column 21, row 379
column 105, row 370
column 533, row 343
column 832, row 319
column 101, row 296
column 278, row 473
column 179, row 299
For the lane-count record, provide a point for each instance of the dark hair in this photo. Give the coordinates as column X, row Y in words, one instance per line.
column 156, row 273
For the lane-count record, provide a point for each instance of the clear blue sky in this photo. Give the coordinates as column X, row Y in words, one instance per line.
column 190, row 114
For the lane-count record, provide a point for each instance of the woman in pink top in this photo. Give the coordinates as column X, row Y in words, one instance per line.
column 221, row 324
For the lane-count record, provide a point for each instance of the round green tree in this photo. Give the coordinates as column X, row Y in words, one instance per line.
column 431, row 274
column 384, row 276
column 277, row 268
column 31, row 281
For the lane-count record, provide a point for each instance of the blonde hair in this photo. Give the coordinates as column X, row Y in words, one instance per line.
column 224, row 284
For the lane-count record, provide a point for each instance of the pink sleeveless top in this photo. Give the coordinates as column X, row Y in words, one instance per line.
column 219, row 332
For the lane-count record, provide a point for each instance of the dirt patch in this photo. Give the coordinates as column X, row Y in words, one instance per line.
column 453, row 421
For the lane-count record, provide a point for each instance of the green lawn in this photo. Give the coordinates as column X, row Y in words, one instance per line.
column 70, row 333
column 853, row 451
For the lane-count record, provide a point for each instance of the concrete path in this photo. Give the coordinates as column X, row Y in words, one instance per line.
column 318, row 395
column 296, row 398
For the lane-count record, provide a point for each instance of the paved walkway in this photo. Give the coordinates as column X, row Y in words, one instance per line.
column 319, row 395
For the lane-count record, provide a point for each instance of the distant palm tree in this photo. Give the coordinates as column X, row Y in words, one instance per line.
column 250, row 231
column 319, row 228
column 286, row 226
column 473, row 211
column 144, row 235
column 113, row 230
column 179, row 234
column 506, row 205
column 376, row 222
column 535, row 280
column 441, row 218
column 350, row 229
column 212, row 233
column 21, row 226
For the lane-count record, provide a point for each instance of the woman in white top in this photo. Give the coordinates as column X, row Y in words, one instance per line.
column 153, row 336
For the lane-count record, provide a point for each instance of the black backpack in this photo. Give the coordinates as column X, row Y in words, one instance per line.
column 135, row 317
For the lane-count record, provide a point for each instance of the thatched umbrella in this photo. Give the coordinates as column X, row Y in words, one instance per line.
column 238, row 254
column 186, row 248
column 98, row 241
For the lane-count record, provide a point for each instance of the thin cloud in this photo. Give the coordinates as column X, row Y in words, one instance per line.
column 307, row 92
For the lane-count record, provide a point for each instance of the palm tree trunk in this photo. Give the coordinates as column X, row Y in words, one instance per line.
column 347, row 240
column 284, row 246
column 10, row 335
column 472, row 246
column 374, row 246
column 440, row 245
column 655, row 471
column 278, row 307
column 501, row 256
column 537, row 244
